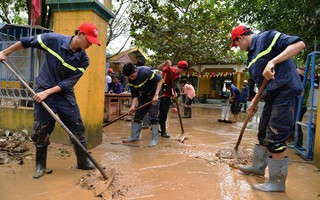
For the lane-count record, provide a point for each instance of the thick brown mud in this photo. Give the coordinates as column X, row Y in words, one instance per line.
column 203, row 167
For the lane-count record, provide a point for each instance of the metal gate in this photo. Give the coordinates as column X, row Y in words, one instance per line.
column 26, row 63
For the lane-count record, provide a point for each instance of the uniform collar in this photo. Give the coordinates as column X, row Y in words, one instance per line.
column 66, row 45
column 253, row 42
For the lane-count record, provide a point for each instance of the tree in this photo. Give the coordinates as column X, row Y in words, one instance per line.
column 299, row 17
column 119, row 25
column 13, row 12
column 19, row 12
column 192, row 30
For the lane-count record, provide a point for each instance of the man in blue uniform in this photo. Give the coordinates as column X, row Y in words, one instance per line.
column 244, row 96
column 145, row 123
column 66, row 61
column 234, row 100
column 269, row 57
column 145, row 86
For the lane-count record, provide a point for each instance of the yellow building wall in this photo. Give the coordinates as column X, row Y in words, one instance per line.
column 10, row 84
column 108, row 4
column 19, row 119
column 90, row 88
column 204, row 82
column 204, row 86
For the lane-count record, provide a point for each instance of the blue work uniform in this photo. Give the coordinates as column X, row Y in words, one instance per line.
column 62, row 67
column 144, row 88
column 235, row 95
column 245, row 93
column 281, row 94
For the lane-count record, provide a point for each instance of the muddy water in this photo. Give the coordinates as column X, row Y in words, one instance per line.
column 201, row 168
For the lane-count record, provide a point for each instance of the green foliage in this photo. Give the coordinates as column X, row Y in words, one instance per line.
column 12, row 11
column 297, row 17
column 192, row 30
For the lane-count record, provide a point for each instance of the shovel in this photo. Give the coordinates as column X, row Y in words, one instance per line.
column 180, row 137
column 254, row 103
column 59, row 121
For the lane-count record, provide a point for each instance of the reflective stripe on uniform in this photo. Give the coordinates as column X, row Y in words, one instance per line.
column 280, row 148
column 164, row 78
column 265, row 52
column 58, row 56
column 141, row 84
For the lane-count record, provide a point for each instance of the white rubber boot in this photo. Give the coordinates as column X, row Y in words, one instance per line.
column 259, row 163
column 278, row 171
column 154, row 135
column 135, row 133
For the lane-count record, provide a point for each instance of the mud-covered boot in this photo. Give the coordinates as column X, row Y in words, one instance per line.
column 259, row 163
column 164, row 131
column 135, row 133
column 41, row 161
column 278, row 171
column 185, row 112
column 83, row 161
column 154, row 141
column 190, row 112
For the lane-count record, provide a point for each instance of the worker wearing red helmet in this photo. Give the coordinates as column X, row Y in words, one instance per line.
column 109, row 77
column 66, row 62
column 270, row 57
column 169, row 75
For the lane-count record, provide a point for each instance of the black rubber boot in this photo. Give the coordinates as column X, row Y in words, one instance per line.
column 83, row 161
column 41, row 161
column 187, row 112
column 164, row 131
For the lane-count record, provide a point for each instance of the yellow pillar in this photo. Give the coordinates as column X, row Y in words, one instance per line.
column 239, row 82
column 68, row 15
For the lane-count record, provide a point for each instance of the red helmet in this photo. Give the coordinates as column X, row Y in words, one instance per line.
column 110, row 70
column 183, row 64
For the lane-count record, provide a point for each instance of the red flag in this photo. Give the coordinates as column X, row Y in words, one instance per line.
column 35, row 11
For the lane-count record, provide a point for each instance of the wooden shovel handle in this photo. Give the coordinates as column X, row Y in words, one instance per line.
column 254, row 103
column 71, row 135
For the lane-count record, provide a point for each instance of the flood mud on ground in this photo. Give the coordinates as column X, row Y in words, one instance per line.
column 204, row 167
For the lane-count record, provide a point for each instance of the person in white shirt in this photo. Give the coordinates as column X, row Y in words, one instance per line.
column 108, row 79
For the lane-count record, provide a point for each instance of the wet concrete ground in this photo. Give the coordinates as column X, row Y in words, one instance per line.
column 201, row 168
